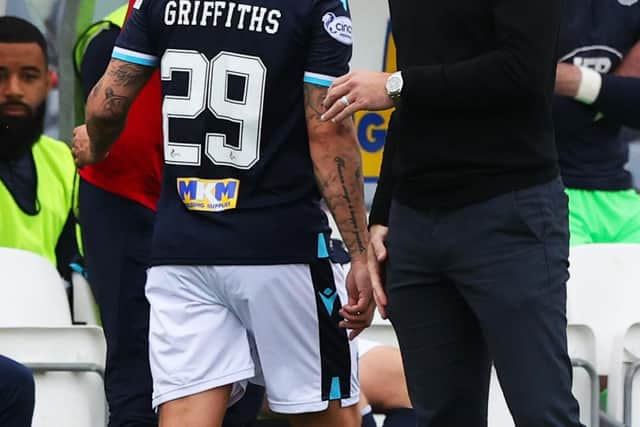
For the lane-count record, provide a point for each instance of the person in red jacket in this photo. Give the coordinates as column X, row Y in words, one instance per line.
column 117, row 200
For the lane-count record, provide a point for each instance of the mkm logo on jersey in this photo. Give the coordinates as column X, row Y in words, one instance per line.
column 208, row 195
column 372, row 125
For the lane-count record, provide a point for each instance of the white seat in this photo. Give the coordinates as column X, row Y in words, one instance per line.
column 624, row 380
column 31, row 291
column 603, row 293
column 36, row 330
column 581, row 345
column 498, row 414
column 601, row 276
column 589, row 332
column 68, row 364
column 582, row 351
column 381, row 331
column 84, row 306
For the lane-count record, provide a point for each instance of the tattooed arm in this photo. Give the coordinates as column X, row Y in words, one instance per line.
column 337, row 167
column 108, row 104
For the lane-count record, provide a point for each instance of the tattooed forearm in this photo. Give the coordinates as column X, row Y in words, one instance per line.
column 126, row 74
column 115, row 104
column 346, row 194
column 313, row 98
column 342, row 190
column 336, row 161
column 96, row 89
column 109, row 102
column 105, row 127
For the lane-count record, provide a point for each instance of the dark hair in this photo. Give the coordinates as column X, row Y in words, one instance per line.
column 18, row 30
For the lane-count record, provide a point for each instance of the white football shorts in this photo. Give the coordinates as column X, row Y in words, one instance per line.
column 365, row 346
column 275, row 325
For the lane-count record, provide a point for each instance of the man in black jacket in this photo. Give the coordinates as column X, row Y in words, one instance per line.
column 470, row 214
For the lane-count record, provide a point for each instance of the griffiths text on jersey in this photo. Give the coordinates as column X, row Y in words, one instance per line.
column 222, row 13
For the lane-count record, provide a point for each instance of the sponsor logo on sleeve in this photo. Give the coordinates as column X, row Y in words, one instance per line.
column 208, row 195
column 627, row 2
column 338, row 27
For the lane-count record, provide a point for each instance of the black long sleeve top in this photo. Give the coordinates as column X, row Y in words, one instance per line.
column 474, row 120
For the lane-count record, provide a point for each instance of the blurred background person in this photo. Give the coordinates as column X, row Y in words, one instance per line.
column 37, row 178
column 597, row 93
column 37, row 173
column 117, row 202
column 383, row 385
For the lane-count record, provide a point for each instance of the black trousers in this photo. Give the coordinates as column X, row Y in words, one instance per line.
column 116, row 234
column 484, row 283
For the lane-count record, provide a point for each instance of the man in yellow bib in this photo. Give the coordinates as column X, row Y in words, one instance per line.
column 37, row 173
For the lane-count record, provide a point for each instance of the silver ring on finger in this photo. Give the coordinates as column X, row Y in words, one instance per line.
column 345, row 101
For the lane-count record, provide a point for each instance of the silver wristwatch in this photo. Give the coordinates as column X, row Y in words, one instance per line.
column 394, row 86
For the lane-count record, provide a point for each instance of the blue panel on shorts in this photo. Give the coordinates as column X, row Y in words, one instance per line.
column 323, row 252
column 335, row 393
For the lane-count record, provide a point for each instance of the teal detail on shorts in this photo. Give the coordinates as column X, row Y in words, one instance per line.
column 603, row 216
column 344, row 4
column 335, row 393
column 323, row 252
column 329, row 299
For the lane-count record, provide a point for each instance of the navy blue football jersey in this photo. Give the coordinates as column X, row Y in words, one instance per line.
column 238, row 184
column 596, row 34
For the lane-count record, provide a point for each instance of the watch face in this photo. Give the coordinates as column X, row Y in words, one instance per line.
column 394, row 84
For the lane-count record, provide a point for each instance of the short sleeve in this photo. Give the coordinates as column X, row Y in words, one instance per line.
column 330, row 47
column 135, row 43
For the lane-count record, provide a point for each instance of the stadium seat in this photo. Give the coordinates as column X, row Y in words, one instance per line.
column 600, row 275
column 31, row 291
column 599, row 291
column 68, row 363
column 36, row 330
column 633, row 165
column 581, row 344
column 624, row 378
column 84, row 305
column 582, row 350
column 498, row 412
column 381, row 331
column 603, row 293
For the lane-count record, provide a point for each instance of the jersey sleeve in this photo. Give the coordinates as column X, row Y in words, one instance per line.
column 330, row 46
column 136, row 41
